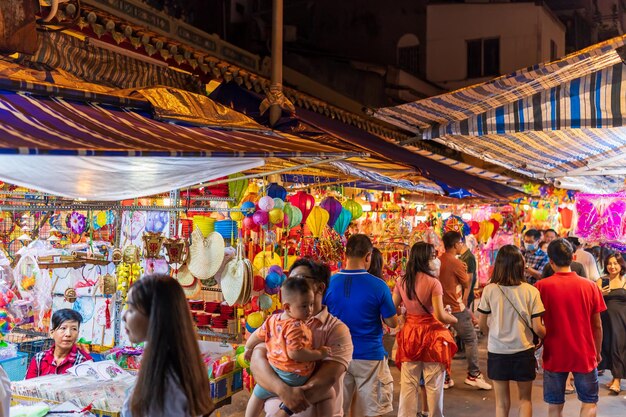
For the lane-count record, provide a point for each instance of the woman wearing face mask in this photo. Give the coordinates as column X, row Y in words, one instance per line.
column 425, row 346
column 173, row 378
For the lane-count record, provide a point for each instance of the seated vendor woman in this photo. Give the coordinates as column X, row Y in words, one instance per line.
column 64, row 353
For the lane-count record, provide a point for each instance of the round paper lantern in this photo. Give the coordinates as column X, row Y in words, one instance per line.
column 343, row 221
column 276, row 216
column 354, row 208
column 276, row 191
column 237, row 188
column 249, row 224
column 248, row 208
column 266, row 203
column 305, row 202
column 258, row 283
column 293, row 214
column 261, row 217
column 317, row 220
column 333, row 207
column 275, row 268
column 237, row 215
column 255, row 320
column 278, row 203
column 273, row 280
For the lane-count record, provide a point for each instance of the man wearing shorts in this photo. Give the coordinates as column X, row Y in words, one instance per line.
column 573, row 332
column 328, row 375
column 360, row 300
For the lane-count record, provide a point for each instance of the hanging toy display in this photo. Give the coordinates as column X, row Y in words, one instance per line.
column 129, row 270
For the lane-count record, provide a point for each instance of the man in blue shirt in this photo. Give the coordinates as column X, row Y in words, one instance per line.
column 361, row 300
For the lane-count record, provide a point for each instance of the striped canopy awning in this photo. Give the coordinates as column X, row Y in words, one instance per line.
column 561, row 121
column 55, row 126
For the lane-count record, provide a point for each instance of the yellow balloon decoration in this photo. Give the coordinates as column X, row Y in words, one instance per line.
column 317, row 220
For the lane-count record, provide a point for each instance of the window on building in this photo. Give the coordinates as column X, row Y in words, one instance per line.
column 483, row 57
column 554, row 52
column 408, row 53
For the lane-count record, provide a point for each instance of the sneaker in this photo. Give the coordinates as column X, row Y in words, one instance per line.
column 477, row 381
column 448, row 383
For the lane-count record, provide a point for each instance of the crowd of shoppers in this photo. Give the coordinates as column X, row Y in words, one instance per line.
column 335, row 327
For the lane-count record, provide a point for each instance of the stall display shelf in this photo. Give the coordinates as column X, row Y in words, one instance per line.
column 226, row 385
column 211, row 333
column 19, row 399
column 29, row 342
column 15, row 367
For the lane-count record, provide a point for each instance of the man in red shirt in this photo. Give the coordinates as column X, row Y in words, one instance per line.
column 573, row 332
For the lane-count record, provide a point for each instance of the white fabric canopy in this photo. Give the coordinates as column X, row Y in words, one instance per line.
column 107, row 178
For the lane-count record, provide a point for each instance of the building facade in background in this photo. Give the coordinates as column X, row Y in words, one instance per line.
column 467, row 43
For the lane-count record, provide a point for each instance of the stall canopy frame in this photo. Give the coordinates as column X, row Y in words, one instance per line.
column 561, row 121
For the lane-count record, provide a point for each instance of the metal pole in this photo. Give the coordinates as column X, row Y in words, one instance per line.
column 277, row 58
column 278, row 171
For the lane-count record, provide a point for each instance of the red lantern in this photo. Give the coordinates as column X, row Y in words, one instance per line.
column 305, row 202
column 566, row 217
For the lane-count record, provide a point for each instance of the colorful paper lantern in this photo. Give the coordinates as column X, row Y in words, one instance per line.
column 566, row 217
column 278, row 203
column 354, row 208
column 261, row 217
column 237, row 188
column 305, row 202
column 343, row 221
column 237, row 215
column 276, row 191
column 276, row 216
column 266, row 203
column 317, row 220
column 248, row 208
column 293, row 214
column 333, row 207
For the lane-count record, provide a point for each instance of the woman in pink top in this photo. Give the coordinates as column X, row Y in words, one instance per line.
column 425, row 345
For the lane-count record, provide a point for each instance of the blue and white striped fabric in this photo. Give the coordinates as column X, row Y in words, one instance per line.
column 546, row 119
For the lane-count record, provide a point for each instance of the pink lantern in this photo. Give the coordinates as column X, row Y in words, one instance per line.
column 261, row 217
column 266, row 203
column 588, row 218
column 305, row 202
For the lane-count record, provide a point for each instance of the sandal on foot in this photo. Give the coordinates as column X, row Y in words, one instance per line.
column 614, row 389
column 570, row 390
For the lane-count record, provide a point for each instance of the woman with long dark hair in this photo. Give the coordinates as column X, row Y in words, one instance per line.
column 425, row 345
column 511, row 312
column 613, row 286
column 173, row 379
column 376, row 264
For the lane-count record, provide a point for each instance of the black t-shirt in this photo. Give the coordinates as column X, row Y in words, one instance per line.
column 575, row 267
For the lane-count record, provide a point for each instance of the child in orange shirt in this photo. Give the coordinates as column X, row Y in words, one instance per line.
column 289, row 345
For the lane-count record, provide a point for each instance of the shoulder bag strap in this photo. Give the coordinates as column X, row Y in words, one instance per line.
column 517, row 311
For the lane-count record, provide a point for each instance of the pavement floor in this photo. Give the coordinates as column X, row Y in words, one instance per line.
column 466, row 401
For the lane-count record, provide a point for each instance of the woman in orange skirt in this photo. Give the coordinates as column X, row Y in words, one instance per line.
column 425, row 345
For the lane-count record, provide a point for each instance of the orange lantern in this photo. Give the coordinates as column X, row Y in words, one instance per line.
column 566, row 217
